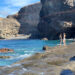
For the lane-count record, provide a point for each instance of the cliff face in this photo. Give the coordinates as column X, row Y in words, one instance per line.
column 29, row 19
column 8, row 28
column 56, row 16
column 24, row 22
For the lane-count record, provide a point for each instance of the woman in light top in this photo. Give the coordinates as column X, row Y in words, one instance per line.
column 60, row 36
column 64, row 39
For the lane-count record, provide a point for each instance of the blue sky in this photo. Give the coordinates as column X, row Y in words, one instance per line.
column 8, row 7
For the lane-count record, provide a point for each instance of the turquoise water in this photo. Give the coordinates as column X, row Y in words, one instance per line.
column 23, row 49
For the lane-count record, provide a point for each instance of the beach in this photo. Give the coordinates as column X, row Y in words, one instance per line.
column 57, row 61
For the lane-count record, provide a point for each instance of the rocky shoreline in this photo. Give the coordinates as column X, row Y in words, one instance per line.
column 56, row 61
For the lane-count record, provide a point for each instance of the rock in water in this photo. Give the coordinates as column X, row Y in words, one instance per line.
column 46, row 48
column 6, row 50
column 56, row 16
column 44, row 39
column 4, row 57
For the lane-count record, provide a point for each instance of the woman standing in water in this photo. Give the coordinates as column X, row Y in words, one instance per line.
column 62, row 38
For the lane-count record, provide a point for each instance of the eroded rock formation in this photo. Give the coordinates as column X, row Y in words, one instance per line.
column 57, row 16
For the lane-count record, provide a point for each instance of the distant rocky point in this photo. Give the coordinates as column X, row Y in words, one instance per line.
column 13, row 16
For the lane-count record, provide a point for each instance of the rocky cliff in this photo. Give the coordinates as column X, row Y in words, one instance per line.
column 8, row 28
column 29, row 19
column 24, row 22
column 57, row 16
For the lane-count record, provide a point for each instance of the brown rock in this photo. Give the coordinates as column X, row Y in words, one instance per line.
column 4, row 57
column 5, row 50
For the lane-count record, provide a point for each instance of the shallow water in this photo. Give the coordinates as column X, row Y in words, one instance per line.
column 23, row 49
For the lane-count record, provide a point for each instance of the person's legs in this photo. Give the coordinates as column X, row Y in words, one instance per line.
column 64, row 42
column 64, row 39
column 60, row 39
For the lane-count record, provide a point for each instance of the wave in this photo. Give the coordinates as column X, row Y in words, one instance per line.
column 20, row 57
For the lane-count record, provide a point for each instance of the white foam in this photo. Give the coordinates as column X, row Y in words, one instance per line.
column 21, row 56
column 15, row 65
column 24, row 56
column 24, row 69
column 42, row 73
column 18, row 72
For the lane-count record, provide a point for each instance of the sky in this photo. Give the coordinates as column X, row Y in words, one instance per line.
column 9, row 7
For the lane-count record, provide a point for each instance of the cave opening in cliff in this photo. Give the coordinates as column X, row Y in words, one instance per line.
column 70, row 32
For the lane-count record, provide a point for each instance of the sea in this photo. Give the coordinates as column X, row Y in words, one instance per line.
column 24, row 49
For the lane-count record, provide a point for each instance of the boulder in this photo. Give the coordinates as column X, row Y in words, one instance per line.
column 44, row 39
column 46, row 48
column 6, row 50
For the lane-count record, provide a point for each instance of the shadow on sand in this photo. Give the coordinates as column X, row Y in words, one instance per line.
column 66, row 72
